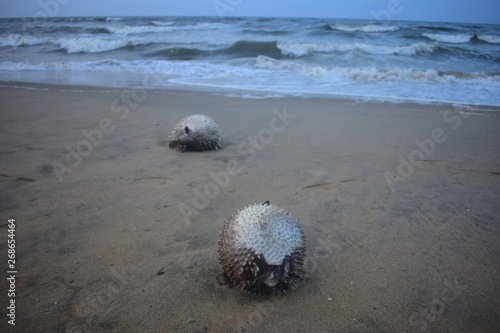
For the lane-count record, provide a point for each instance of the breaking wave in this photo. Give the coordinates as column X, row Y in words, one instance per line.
column 463, row 38
column 456, row 39
column 72, row 45
column 159, row 27
column 94, row 45
column 301, row 49
column 263, row 63
column 15, row 40
column 363, row 28
column 126, row 30
column 372, row 74
column 277, row 50
column 252, row 49
column 163, row 23
column 489, row 39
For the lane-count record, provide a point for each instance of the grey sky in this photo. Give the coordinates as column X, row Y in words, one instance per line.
column 474, row 11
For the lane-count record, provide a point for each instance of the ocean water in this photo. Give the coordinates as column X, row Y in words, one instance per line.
column 255, row 57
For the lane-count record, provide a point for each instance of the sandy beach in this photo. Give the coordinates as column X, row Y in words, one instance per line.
column 115, row 232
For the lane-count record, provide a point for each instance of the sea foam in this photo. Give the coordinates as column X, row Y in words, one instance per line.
column 457, row 39
column 363, row 28
column 301, row 49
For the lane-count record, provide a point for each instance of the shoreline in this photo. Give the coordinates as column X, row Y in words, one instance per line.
column 146, row 82
column 398, row 203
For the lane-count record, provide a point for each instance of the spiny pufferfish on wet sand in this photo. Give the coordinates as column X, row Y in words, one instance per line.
column 262, row 249
column 196, row 133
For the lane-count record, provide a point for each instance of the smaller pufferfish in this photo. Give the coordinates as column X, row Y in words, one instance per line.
column 261, row 250
column 196, row 133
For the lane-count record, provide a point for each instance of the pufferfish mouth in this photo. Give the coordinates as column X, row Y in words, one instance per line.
column 271, row 281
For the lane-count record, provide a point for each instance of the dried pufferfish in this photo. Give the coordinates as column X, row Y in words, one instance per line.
column 196, row 133
column 262, row 249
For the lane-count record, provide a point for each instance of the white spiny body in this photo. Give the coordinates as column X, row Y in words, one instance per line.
column 262, row 248
column 269, row 230
column 196, row 132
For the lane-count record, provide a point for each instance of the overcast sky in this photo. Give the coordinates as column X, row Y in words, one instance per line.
column 474, row 11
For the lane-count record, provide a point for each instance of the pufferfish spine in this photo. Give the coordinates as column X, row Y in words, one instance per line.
column 262, row 249
column 196, row 133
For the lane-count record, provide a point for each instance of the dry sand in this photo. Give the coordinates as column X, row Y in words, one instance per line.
column 124, row 238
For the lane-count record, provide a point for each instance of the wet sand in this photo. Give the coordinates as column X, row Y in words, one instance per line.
column 116, row 232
